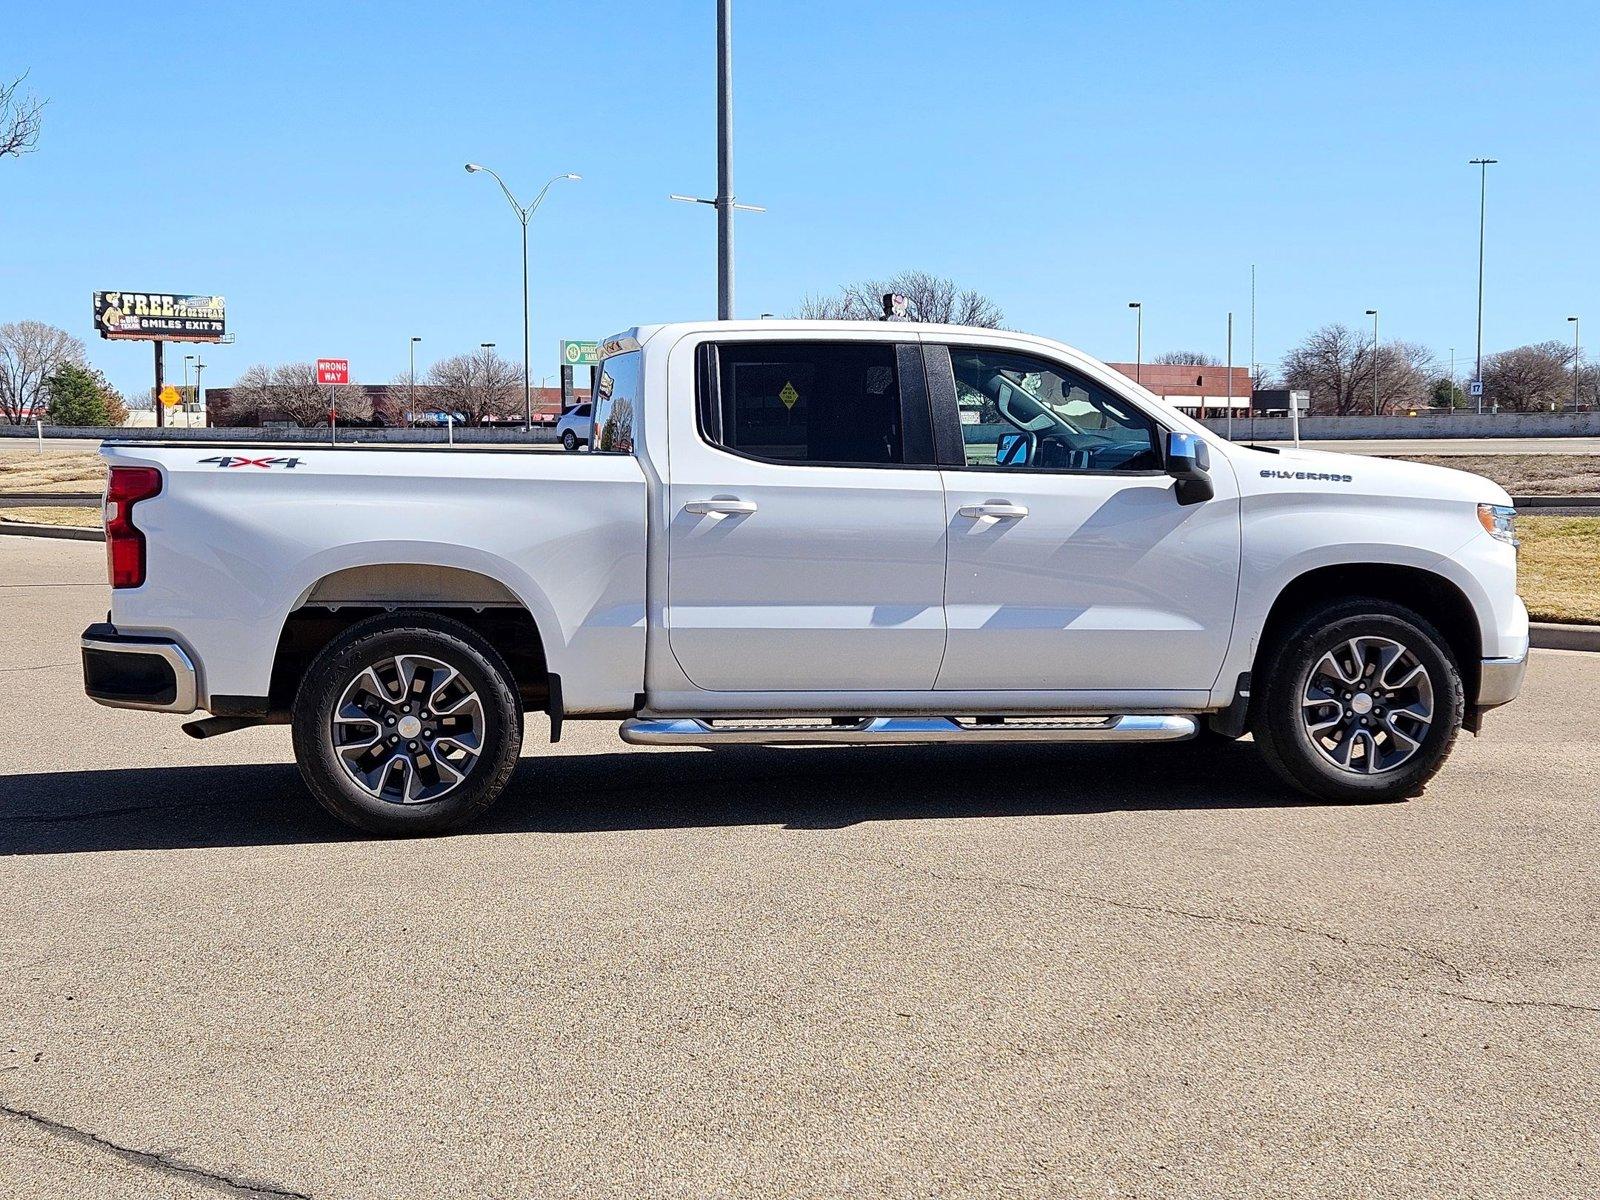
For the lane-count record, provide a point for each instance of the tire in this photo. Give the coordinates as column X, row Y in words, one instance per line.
column 569, row 440
column 438, row 775
column 1327, row 683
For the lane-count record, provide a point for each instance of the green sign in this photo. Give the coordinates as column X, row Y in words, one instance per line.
column 579, row 354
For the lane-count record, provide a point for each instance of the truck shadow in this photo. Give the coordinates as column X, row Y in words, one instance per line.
column 193, row 807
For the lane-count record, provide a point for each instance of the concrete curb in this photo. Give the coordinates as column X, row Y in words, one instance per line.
column 68, row 532
column 1537, row 502
column 1550, row 635
column 48, row 500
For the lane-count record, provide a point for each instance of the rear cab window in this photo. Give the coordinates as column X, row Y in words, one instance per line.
column 615, row 399
column 814, row 402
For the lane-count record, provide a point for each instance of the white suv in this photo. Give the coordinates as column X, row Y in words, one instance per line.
column 574, row 426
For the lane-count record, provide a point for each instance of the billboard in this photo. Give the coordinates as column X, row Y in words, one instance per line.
column 159, row 317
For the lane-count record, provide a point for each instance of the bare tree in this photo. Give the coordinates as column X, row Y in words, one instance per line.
column 1335, row 365
column 290, row 391
column 30, row 351
column 480, row 387
column 20, row 118
column 928, row 298
column 1529, row 378
column 1186, row 358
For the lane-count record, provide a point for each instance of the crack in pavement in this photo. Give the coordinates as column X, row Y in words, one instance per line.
column 1561, row 1005
column 38, row 667
column 229, row 1184
column 1162, row 910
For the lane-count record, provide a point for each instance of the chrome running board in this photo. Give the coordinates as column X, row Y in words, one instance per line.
column 701, row 731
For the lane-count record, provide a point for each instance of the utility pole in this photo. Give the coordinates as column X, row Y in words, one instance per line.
column 724, row 160
column 1483, row 165
column 724, row 202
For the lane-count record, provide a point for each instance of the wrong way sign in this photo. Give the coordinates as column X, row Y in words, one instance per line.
column 333, row 370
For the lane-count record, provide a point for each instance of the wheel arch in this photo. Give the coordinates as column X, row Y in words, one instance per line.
column 1428, row 593
column 341, row 598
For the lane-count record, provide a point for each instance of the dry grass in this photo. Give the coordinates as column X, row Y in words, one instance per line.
column 30, row 471
column 82, row 517
column 1526, row 474
column 1558, row 569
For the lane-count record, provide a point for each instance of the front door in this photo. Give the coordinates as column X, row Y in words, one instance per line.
column 807, row 524
column 1072, row 566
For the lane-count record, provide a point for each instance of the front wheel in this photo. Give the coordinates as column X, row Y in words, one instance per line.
column 1363, row 701
column 408, row 723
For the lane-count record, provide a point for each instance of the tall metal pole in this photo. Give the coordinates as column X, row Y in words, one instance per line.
column 1373, row 313
column 724, row 160
column 1577, row 362
column 1138, row 340
column 527, row 392
column 1230, row 377
column 1483, row 197
column 411, row 383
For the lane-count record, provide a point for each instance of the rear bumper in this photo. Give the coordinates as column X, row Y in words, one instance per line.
column 123, row 670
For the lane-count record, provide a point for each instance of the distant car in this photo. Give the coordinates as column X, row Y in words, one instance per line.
column 575, row 426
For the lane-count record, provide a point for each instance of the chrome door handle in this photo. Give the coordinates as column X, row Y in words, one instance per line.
column 720, row 508
column 999, row 511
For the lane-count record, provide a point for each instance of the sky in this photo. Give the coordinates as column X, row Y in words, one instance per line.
column 305, row 161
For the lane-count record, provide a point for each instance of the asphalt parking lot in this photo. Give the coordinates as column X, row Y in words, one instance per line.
column 901, row 972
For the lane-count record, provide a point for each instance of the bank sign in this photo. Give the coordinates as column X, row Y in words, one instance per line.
column 160, row 316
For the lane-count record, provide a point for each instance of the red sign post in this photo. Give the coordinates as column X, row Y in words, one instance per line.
column 333, row 370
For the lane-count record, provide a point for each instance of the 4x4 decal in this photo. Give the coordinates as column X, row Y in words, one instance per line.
column 234, row 460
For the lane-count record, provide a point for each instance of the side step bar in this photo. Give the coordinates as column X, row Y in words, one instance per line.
column 698, row 731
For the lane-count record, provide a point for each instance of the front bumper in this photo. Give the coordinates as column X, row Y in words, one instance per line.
column 122, row 670
column 1500, row 680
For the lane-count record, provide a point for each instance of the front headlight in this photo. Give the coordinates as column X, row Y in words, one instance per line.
column 1499, row 521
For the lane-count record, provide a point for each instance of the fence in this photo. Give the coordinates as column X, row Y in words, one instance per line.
column 1456, row 425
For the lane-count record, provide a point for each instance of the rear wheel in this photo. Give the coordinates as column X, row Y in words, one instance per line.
column 409, row 723
column 569, row 440
column 1363, row 702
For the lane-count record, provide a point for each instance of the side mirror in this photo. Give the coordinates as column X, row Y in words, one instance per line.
column 1189, row 462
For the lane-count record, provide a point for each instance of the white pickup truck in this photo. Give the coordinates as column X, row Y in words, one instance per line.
column 812, row 532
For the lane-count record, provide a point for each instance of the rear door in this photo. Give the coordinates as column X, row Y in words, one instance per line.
column 807, row 529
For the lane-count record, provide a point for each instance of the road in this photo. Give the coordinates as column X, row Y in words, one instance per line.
column 1037, row 972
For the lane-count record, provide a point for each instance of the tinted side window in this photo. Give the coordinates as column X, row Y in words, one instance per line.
column 1020, row 411
column 808, row 402
column 615, row 403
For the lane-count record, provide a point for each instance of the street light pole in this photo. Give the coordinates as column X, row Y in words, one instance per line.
column 1373, row 313
column 1483, row 165
column 411, row 383
column 524, row 212
column 1138, row 340
column 1577, row 362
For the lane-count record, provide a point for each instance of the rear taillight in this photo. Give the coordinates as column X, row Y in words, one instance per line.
column 124, row 542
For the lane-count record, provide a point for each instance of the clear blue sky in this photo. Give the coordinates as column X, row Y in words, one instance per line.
column 305, row 160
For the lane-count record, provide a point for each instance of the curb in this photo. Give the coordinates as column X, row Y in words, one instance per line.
column 1537, row 502
column 1551, row 635
column 67, row 532
column 48, row 499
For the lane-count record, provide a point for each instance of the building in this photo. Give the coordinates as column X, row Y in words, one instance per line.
column 1197, row 390
column 391, row 406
